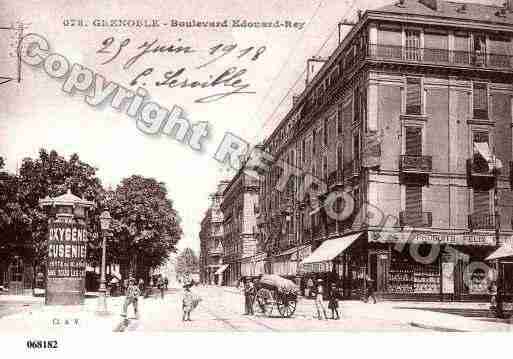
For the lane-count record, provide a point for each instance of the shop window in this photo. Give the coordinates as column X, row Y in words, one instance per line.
column 407, row 276
column 413, row 96
column 480, row 100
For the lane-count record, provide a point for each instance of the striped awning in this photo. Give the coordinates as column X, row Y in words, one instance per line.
column 221, row 269
column 329, row 249
column 502, row 252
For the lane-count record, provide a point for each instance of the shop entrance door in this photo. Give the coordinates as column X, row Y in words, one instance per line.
column 378, row 270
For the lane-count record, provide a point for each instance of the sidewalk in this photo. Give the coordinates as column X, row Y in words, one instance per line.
column 42, row 319
column 438, row 316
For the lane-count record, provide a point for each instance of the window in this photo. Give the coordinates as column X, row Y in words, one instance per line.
column 303, row 149
column 339, row 121
column 413, row 199
column 413, row 141
column 356, row 105
column 314, row 141
column 413, row 96
column 481, row 202
column 480, row 99
column 413, row 45
column 339, row 158
column 325, row 168
column 480, row 136
column 356, row 146
column 325, row 132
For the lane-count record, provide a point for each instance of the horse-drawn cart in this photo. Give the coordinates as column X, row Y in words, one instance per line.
column 275, row 292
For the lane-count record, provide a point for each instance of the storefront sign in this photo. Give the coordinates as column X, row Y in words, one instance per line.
column 323, row 267
column 430, row 237
column 67, row 249
column 448, row 278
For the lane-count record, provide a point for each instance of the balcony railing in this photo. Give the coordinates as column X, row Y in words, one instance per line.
column 415, row 164
column 415, row 219
column 440, row 56
column 481, row 221
column 479, row 169
column 215, row 251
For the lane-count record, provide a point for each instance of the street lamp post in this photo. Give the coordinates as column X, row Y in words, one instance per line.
column 105, row 220
column 499, row 300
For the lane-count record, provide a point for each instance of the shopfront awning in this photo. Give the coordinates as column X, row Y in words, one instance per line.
column 502, row 252
column 221, row 269
column 329, row 249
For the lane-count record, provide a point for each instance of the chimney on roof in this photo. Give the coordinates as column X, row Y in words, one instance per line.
column 432, row 4
column 295, row 98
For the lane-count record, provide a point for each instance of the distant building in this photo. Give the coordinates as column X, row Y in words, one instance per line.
column 239, row 206
column 211, row 240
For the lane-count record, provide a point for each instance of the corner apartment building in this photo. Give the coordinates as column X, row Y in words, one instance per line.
column 402, row 116
column 239, row 206
column 211, row 238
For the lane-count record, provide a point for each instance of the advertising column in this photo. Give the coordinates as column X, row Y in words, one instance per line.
column 67, row 248
column 66, row 264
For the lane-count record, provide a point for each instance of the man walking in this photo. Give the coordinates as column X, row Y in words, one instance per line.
column 249, row 292
column 319, row 300
column 132, row 296
column 161, row 286
column 370, row 289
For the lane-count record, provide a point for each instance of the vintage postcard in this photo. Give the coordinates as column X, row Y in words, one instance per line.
column 255, row 166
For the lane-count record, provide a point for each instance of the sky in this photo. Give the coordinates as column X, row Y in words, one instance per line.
column 35, row 113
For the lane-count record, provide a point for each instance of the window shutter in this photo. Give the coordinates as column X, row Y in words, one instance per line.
column 481, row 202
column 413, row 96
column 413, row 199
column 413, row 141
column 480, row 101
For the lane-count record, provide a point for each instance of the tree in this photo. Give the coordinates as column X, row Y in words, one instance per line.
column 146, row 226
column 187, row 262
column 50, row 175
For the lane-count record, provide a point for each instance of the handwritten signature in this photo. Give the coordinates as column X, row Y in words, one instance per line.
column 231, row 77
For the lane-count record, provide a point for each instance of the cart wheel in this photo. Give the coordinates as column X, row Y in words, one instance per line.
column 263, row 303
column 287, row 307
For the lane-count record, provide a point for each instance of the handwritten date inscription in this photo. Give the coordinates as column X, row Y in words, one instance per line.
column 179, row 78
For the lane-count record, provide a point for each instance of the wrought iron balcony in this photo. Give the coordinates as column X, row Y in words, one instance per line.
column 479, row 175
column 415, row 219
column 415, row 164
column 215, row 251
column 440, row 57
column 481, row 221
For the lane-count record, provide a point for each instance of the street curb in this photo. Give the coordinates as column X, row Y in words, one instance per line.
column 436, row 328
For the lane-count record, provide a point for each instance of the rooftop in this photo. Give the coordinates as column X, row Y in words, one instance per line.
column 452, row 10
